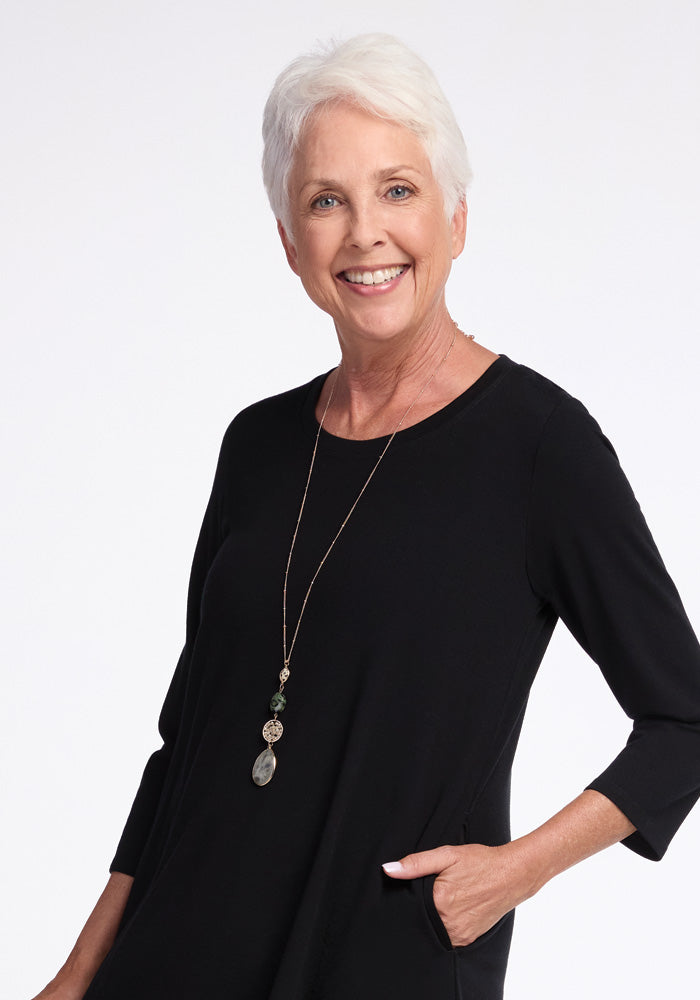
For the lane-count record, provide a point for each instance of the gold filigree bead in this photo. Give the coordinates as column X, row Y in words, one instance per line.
column 272, row 730
column 284, row 674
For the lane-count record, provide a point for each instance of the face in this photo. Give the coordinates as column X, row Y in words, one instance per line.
column 370, row 239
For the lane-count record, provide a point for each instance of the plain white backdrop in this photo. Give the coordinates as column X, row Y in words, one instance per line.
column 146, row 300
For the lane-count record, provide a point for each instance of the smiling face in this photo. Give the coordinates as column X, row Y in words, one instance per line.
column 370, row 239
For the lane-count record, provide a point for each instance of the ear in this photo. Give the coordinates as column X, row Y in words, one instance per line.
column 289, row 248
column 459, row 228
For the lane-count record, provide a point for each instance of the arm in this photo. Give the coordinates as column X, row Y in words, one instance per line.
column 582, row 828
column 150, row 795
column 94, row 941
column 477, row 885
column 591, row 557
column 99, row 932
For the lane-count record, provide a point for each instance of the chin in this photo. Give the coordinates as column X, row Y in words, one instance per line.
column 379, row 329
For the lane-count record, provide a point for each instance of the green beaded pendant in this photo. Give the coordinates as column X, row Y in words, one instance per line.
column 278, row 702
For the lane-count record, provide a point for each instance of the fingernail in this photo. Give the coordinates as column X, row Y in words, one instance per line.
column 392, row 866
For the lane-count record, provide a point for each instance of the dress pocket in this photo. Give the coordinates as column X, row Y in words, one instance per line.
column 436, row 920
column 432, row 913
column 440, row 929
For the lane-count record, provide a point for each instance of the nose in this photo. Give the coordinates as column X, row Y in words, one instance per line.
column 365, row 228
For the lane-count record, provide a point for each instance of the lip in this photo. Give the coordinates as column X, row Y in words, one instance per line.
column 386, row 286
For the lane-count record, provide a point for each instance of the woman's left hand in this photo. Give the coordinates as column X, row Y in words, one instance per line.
column 475, row 885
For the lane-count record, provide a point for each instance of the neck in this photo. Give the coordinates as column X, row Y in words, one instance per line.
column 373, row 382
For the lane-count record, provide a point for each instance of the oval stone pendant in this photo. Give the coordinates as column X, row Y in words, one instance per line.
column 264, row 767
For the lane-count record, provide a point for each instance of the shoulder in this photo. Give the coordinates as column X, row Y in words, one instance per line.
column 536, row 396
column 558, row 424
column 575, row 473
column 273, row 418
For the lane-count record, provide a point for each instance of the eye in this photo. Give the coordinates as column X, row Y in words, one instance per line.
column 324, row 201
column 399, row 192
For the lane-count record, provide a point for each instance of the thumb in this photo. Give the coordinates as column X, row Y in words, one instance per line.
column 422, row 863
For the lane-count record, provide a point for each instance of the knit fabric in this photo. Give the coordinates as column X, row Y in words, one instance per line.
column 484, row 524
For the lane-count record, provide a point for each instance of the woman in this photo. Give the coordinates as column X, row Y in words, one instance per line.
column 333, row 822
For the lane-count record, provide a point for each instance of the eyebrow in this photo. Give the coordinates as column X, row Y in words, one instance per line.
column 378, row 174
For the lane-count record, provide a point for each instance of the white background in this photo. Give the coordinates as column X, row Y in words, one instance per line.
column 146, row 300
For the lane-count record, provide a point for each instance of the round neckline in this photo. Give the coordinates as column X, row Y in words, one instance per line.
column 466, row 398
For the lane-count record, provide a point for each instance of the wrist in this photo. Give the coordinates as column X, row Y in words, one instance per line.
column 531, row 865
column 80, row 967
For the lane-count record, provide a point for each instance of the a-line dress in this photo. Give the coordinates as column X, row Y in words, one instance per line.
column 484, row 523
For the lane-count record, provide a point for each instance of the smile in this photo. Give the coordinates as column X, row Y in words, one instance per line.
column 379, row 277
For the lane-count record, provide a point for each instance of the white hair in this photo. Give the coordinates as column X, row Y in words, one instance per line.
column 380, row 74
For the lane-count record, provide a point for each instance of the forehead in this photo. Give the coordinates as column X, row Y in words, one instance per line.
column 341, row 138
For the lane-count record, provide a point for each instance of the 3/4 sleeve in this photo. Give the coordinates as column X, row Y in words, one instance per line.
column 592, row 558
column 145, row 805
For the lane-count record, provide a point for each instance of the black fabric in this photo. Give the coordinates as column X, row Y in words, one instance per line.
column 484, row 523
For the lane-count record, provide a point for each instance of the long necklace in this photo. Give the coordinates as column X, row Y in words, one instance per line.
column 266, row 762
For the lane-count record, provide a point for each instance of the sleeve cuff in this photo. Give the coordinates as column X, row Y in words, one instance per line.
column 643, row 841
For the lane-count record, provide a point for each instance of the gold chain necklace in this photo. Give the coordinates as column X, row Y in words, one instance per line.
column 266, row 762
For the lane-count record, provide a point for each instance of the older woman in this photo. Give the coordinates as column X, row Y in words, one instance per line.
column 382, row 562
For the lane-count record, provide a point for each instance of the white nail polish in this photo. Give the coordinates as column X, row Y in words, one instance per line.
column 392, row 866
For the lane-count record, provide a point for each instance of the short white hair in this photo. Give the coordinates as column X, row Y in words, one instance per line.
column 383, row 76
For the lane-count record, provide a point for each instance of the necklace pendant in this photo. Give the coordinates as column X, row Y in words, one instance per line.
column 264, row 767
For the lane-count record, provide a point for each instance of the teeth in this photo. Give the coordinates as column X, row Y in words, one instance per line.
column 377, row 277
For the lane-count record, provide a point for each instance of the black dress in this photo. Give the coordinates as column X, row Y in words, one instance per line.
column 484, row 523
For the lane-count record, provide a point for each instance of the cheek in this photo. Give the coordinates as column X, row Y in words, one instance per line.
column 434, row 264
column 316, row 253
column 316, row 272
column 431, row 241
column 432, row 250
